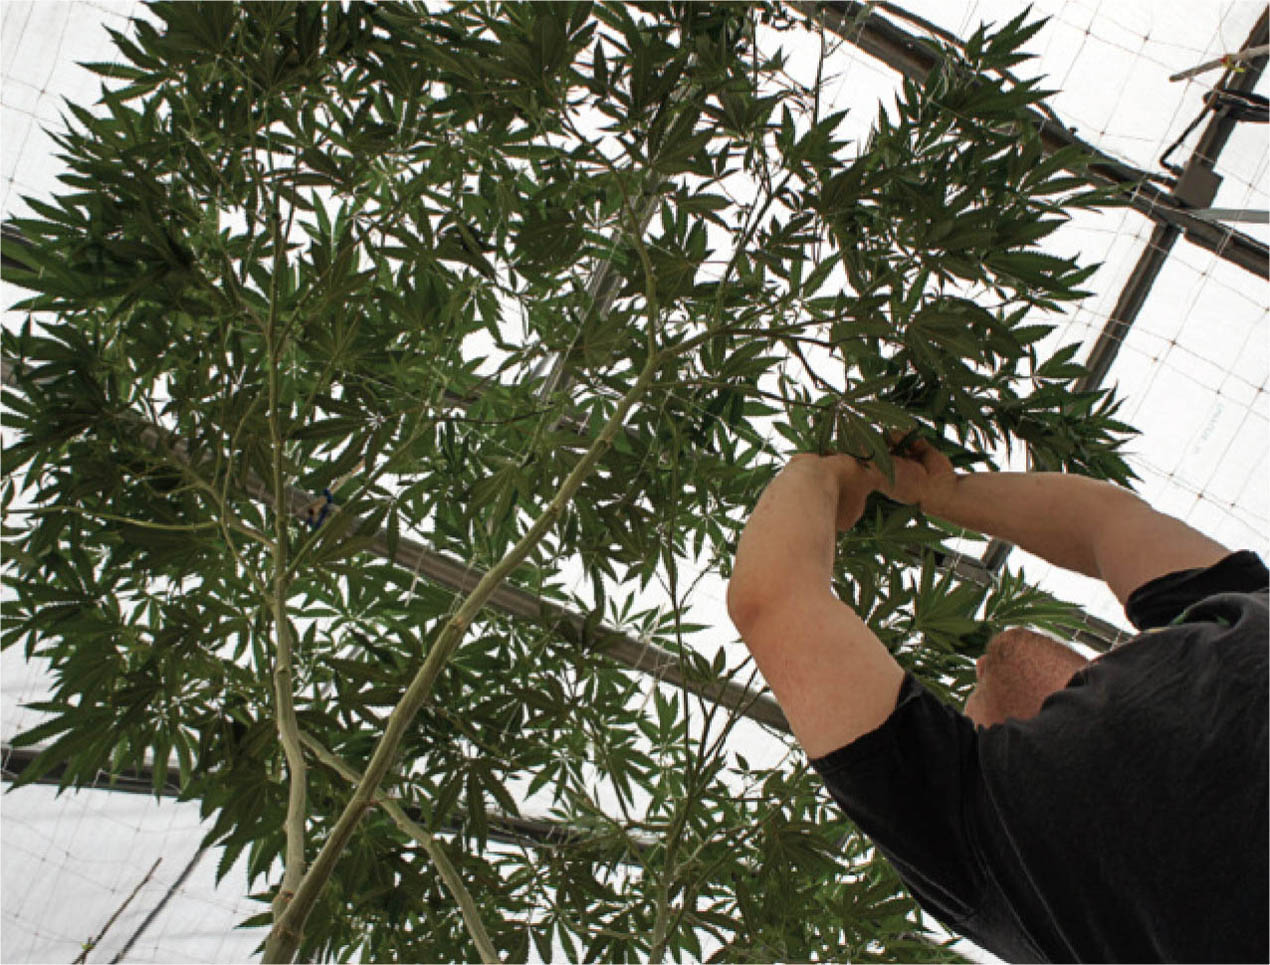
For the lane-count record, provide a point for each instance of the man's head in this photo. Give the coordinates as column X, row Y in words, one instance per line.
column 1018, row 670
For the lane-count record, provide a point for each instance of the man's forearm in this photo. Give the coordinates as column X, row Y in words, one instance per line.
column 789, row 539
column 1086, row 525
column 1049, row 514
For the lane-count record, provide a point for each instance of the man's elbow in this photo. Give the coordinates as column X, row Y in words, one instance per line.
column 743, row 605
column 747, row 601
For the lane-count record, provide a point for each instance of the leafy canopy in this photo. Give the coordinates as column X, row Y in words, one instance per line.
column 416, row 255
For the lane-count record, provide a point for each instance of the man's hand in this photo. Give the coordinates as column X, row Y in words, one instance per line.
column 922, row 475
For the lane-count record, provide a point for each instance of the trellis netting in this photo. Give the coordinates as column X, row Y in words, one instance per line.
column 113, row 873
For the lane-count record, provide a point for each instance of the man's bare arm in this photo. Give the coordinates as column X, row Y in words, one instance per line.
column 833, row 677
column 1085, row 525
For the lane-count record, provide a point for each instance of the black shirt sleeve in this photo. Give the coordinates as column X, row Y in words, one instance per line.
column 1163, row 600
column 908, row 786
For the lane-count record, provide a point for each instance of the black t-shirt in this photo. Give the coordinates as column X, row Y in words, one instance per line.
column 1126, row 821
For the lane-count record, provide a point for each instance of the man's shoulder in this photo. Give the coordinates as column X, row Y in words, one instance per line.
column 1168, row 599
column 1210, row 630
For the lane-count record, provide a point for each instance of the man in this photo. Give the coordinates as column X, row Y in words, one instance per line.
column 1113, row 810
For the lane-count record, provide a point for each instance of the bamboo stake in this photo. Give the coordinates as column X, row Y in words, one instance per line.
column 154, row 912
column 94, row 942
column 1229, row 61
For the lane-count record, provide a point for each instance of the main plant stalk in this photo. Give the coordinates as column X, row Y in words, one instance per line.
column 288, row 929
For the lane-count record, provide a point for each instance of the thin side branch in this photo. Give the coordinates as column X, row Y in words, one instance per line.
column 449, row 876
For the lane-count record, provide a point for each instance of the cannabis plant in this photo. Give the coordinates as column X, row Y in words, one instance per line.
column 393, row 380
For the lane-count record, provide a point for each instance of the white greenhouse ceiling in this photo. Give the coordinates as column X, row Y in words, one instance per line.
column 1192, row 369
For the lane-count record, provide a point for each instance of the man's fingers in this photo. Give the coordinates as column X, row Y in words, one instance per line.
column 932, row 459
column 906, row 443
column 911, row 445
column 921, row 448
column 895, row 437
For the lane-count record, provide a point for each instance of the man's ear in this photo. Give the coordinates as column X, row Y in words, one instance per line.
column 975, row 709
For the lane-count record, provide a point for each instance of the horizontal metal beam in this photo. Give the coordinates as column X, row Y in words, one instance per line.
column 877, row 36
column 537, row 833
column 1247, row 215
column 1229, row 60
column 15, row 237
column 647, row 658
column 504, row 828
